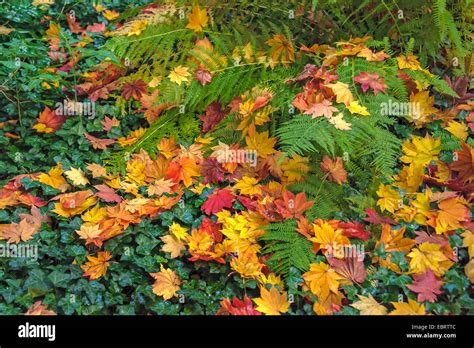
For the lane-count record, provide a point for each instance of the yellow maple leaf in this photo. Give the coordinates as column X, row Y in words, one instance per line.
column 96, row 267
column 54, row 178
column 178, row 231
column 76, row 176
column 262, row 143
column 294, row 168
column 408, row 62
column 458, row 129
column 248, row 186
column 342, row 92
column 179, row 75
column 422, row 110
column 136, row 172
column 167, row 283
column 272, row 302
column 355, row 108
column 410, row 308
column 137, row 27
column 389, row 200
column 421, row 150
column 369, row 306
column 95, row 214
column 173, row 246
column 322, row 280
column 198, row 19
column 247, row 265
column 325, row 236
column 429, row 255
column 271, row 279
column 468, row 242
column 110, row 15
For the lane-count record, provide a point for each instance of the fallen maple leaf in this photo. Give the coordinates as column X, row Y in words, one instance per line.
column 464, row 163
column 334, row 168
column 367, row 305
column 293, row 206
column 183, row 169
column 166, row 283
column 371, row 80
column 237, row 307
column 197, row 19
column 179, row 75
column 350, row 267
column 218, row 200
column 173, row 246
column 160, row 186
column 374, row 218
column 429, row 255
column 108, row 123
column 49, row 121
column 98, row 143
column 38, row 308
column 55, row 179
column 272, row 302
column 96, row 267
column 426, row 286
column 214, row 114
column 342, row 92
column 134, row 89
column 323, row 108
column 76, row 176
column 281, row 49
column 410, row 308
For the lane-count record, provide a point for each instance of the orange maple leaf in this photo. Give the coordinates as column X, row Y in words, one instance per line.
column 96, row 267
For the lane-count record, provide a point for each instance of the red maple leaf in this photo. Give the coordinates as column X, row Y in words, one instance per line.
column 217, row 201
column 214, row 114
column 212, row 171
column 134, row 89
column 51, row 119
column 237, row 307
column 349, row 267
column 96, row 28
column 354, row 230
column 323, row 108
column 371, row 80
column 203, row 76
column 374, row 218
column 73, row 25
column 107, row 194
column 426, row 286
column 98, row 143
